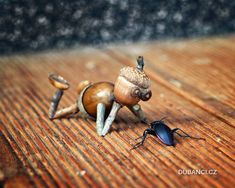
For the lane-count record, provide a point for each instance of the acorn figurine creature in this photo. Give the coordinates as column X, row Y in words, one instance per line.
column 103, row 100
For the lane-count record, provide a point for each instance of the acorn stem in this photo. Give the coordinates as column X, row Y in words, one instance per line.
column 140, row 63
column 55, row 102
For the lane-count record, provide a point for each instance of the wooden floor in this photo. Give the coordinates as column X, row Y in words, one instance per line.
column 193, row 84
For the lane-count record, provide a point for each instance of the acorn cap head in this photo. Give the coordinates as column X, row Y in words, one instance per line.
column 135, row 76
column 58, row 81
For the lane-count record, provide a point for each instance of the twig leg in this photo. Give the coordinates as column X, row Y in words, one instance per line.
column 66, row 111
column 55, row 102
column 53, row 113
column 100, row 118
column 138, row 112
column 108, row 122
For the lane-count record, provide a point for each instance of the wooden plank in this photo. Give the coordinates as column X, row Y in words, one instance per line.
column 200, row 70
column 68, row 152
column 12, row 172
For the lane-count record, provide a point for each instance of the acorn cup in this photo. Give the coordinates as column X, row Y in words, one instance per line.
column 129, row 85
column 60, row 84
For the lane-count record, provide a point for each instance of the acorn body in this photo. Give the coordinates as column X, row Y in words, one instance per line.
column 101, row 92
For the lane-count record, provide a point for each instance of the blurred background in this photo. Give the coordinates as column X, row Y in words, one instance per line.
column 33, row 25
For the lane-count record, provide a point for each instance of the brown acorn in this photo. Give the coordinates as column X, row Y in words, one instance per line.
column 101, row 92
column 130, row 85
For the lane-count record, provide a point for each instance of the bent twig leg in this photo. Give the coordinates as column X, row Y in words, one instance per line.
column 54, row 113
column 66, row 111
column 108, row 122
column 138, row 112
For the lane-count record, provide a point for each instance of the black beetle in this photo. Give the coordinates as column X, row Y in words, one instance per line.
column 163, row 132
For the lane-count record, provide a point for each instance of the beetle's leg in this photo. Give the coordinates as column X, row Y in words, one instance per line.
column 100, row 118
column 108, row 122
column 137, row 111
column 66, row 111
column 139, row 137
column 185, row 134
column 146, row 132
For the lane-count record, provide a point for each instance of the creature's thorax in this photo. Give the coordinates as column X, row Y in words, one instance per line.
column 100, row 92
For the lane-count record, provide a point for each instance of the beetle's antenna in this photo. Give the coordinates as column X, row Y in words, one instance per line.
column 157, row 121
column 163, row 118
column 185, row 134
column 146, row 122
column 140, row 62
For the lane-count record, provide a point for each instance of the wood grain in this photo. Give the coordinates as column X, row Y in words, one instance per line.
column 192, row 84
column 12, row 173
column 201, row 72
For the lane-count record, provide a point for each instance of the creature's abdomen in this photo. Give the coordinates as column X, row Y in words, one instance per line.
column 101, row 92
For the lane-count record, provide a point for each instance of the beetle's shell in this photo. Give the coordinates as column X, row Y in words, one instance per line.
column 101, row 92
column 164, row 133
